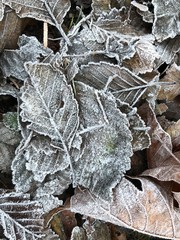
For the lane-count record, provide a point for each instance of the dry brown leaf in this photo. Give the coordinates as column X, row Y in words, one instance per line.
column 144, row 59
column 10, row 29
column 169, row 92
column 174, row 129
column 164, row 165
column 100, row 6
column 148, row 209
column 63, row 223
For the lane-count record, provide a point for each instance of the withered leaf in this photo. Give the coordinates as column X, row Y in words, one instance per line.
column 96, row 230
column 42, row 10
column 100, row 6
column 163, row 164
column 124, row 85
column 148, row 210
column 39, row 167
column 10, row 29
column 106, row 142
column 167, row 50
column 20, row 218
column 43, row 159
column 38, row 9
column 49, row 105
column 144, row 59
column 102, row 43
column 169, row 92
column 166, row 19
column 12, row 61
column 122, row 23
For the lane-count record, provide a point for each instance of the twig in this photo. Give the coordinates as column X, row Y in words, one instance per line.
column 57, row 24
column 45, row 34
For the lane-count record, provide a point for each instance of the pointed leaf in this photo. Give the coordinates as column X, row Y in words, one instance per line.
column 123, row 84
column 122, row 23
column 49, row 105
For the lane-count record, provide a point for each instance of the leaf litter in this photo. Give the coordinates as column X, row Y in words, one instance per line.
column 81, row 113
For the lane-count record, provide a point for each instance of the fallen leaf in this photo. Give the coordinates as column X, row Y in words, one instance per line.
column 106, row 142
column 20, row 217
column 163, row 164
column 10, row 28
column 96, row 230
column 141, row 139
column 169, row 92
column 30, row 50
column 144, row 59
column 124, row 84
column 166, row 19
column 167, row 50
column 49, row 105
column 148, row 209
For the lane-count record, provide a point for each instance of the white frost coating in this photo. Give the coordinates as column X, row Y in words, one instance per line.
column 105, row 152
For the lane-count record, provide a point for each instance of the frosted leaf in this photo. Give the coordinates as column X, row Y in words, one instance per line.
column 43, row 159
column 141, row 138
column 144, row 59
column 20, row 218
column 172, row 76
column 122, row 23
column 42, row 10
column 48, row 202
column 106, row 142
column 40, row 166
column 9, row 140
column 8, row 89
column 78, row 233
column 122, row 83
column 166, row 19
column 38, row 9
column 95, row 44
column 167, row 50
column 148, row 210
column 12, row 61
column 49, row 105
column 55, row 184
